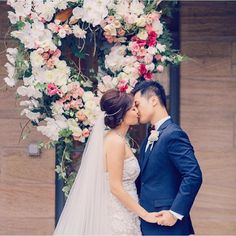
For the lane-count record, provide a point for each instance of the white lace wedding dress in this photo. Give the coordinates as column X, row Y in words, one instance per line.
column 124, row 221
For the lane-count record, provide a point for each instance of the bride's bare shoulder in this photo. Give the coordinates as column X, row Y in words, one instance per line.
column 113, row 140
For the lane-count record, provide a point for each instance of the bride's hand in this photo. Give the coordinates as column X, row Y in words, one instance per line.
column 150, row 217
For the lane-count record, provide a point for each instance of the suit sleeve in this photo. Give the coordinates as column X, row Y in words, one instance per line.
column 181, row 153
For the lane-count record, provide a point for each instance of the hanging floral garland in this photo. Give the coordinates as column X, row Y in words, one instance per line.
column 60, row 100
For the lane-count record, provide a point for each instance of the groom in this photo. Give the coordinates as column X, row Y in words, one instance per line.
column 170, row 174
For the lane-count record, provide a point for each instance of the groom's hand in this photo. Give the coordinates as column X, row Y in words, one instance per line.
column 165, row 218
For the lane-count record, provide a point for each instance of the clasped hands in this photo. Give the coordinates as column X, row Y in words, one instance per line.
column 163, row 218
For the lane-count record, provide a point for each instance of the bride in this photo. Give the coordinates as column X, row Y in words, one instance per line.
column 103, row 199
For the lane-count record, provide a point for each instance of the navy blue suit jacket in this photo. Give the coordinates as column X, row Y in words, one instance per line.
column 169, row 180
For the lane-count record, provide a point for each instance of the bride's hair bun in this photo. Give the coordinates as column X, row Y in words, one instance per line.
column 115, row 104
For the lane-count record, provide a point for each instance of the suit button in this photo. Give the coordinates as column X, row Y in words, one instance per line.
column 142, row 183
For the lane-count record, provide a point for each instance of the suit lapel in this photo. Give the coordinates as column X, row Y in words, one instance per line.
column 146, row 155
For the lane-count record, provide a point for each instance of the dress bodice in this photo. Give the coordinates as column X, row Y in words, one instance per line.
column 124, row 221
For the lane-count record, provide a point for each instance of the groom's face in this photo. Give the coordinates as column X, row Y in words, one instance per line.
column 145, row 108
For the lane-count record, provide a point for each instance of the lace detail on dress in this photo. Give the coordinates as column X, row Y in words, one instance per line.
column 124, row 221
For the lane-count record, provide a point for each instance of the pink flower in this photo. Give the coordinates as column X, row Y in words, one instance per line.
column 57, row 53
column 142, row 52
column 52, row 89
column 148, row 28
column 134, row 47
column 130, row 19
column 85, row 132
column 45, row 56
column 74, row 104
column 54, row 27
column 158, row 57
column 148, row 58
column 160, row 68
column 110, row 19
column 67, row 106
column 77, row 91
column 50, row 63
column 142, row 69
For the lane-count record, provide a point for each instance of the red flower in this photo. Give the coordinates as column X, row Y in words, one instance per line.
column 142, row 69
column 139, row 41
column 148, row 76
column 123, row 87
column 152, row 36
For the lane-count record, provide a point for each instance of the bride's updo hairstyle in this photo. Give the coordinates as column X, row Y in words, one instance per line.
column 115, row 104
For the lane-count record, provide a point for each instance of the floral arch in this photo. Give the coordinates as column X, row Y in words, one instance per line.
column 130, row 41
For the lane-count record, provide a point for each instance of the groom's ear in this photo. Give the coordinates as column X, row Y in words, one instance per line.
column 154, row 100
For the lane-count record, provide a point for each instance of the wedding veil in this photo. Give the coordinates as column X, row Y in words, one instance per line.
column 86, row 210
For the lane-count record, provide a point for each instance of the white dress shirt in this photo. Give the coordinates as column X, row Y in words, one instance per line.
column 157, row 126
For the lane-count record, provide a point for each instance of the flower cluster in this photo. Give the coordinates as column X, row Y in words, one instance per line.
column 59, row 99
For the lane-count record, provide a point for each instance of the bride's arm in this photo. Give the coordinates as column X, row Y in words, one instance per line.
column 115, row 153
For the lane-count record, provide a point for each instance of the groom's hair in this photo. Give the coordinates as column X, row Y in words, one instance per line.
column 150, row 88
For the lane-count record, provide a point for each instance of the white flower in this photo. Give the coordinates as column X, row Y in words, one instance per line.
column 88, row 96
column 141, row 21
column 111, row 29
column 34, row 116
column 62, row 33
column 64, row 89
column 13, row 17
column 90, row 105
column 45, row 9
column 53, row 127
column 78, row 32
column 36, row 59
column 115, row 59
column 152, row 50
column 11, row 82
column 136, row 7
column 153, row 136
column 95, row 11
column 57, row 108
column 158, row 27
column 142, row 34
column 150, row 67
column 47, row 44
column 29, row 92
column 73, row 126
column 32, row 34
column 121, row 8
column 78, row 12
column 22, row 9
column 161, row 47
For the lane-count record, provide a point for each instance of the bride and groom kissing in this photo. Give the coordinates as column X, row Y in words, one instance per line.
column 116, row 193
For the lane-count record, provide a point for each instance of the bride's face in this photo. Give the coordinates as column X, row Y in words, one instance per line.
column 131, row 116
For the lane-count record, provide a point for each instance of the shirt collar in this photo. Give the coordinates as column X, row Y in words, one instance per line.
column 160, row 122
